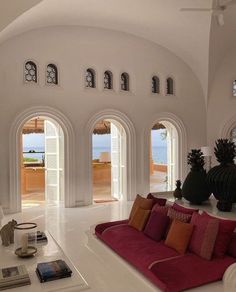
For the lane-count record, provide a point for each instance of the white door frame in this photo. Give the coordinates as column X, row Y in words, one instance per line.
column 110, row 114
column 15, row 154
column 181, row 151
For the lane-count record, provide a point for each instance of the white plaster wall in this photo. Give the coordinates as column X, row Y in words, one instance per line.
column 74, row 49
column 222, row 103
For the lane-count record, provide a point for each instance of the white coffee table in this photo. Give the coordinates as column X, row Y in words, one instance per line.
column 46, row 252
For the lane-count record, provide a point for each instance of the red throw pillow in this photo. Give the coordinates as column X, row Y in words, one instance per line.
column 179, row 235
column 232, row 246
column 226, row 229
column 184, row 210
column 173, row 214
column 204, row 235
column 157, row 225
column 141, row 202
column 160, row 201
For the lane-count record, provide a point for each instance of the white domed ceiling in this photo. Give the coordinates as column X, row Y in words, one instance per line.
column 194, row 35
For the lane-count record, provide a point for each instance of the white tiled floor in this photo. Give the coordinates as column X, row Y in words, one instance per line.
column 103, row 269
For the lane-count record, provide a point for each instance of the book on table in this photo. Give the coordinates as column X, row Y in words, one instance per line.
column 15, row 276
column 40, row 236
column 53, row 270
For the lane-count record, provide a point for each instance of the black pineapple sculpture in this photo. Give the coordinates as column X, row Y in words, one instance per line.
column 195, row 188
column 178, row 192
column 222, row 178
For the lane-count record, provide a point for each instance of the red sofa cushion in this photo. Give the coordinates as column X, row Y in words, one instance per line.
column 232, row 246
column 159, row 201
column 183, row 209
column 226, row 229
column 204, row 235
column 189, row 271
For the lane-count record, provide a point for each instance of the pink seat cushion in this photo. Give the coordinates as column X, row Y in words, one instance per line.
column 135, row 246
column 157, row 225
column 190, row 271
column 101, row 227
column 226, row 229
column 184, row 210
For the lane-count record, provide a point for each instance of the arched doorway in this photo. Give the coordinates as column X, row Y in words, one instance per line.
column 121, row 119
column 164, row 158
column 109, row 161
column 42, row 167
column 16, row 154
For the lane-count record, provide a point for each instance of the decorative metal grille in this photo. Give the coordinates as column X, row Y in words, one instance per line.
column 90, row 78
column 30, row 72
column 234, row 88
column 169, row 86
column 108, row 80
column 155, row 84
column 52, row 74
column 124, row 82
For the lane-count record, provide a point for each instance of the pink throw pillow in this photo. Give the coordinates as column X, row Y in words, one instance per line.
column 160, row 201
column 184, row 210
column 226, row 229
column 204, row 235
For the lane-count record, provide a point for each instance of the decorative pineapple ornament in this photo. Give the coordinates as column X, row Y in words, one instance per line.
column 195, row 188
column 178, row 192
column 222, row 178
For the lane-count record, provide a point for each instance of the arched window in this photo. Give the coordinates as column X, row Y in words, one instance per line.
column 234, row 88
column 108, row 80
column 155, row 84
column 90, row 78
column 30, row 72
column 124, row 82
column 170, row 86
column 52, row 74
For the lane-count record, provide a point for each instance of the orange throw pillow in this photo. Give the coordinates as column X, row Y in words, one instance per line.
column 141, row 202
column 139, row 220
column 179, row 235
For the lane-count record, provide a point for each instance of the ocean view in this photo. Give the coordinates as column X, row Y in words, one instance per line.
column 159, row 153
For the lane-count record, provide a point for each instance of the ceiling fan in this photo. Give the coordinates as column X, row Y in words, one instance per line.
column 219, row 6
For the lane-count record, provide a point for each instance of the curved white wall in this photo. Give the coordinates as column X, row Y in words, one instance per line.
column 74, row 49
column 222, row 104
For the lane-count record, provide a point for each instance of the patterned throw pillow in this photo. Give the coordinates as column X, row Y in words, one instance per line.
column 226, row 229
column 141, row 202
column 179, row 235
column 139, row 220
column 161, row 209
column 173, row 214
column 204, row 235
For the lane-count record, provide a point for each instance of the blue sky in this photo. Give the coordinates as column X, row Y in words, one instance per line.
column 37, row 140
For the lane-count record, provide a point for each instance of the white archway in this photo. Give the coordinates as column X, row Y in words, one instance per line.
column 14, row 142
column 181, row 151
column 110, row 114
column 227, row 127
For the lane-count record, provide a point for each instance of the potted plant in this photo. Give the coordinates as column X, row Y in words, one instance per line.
column 222, row 178
column 195, row 188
